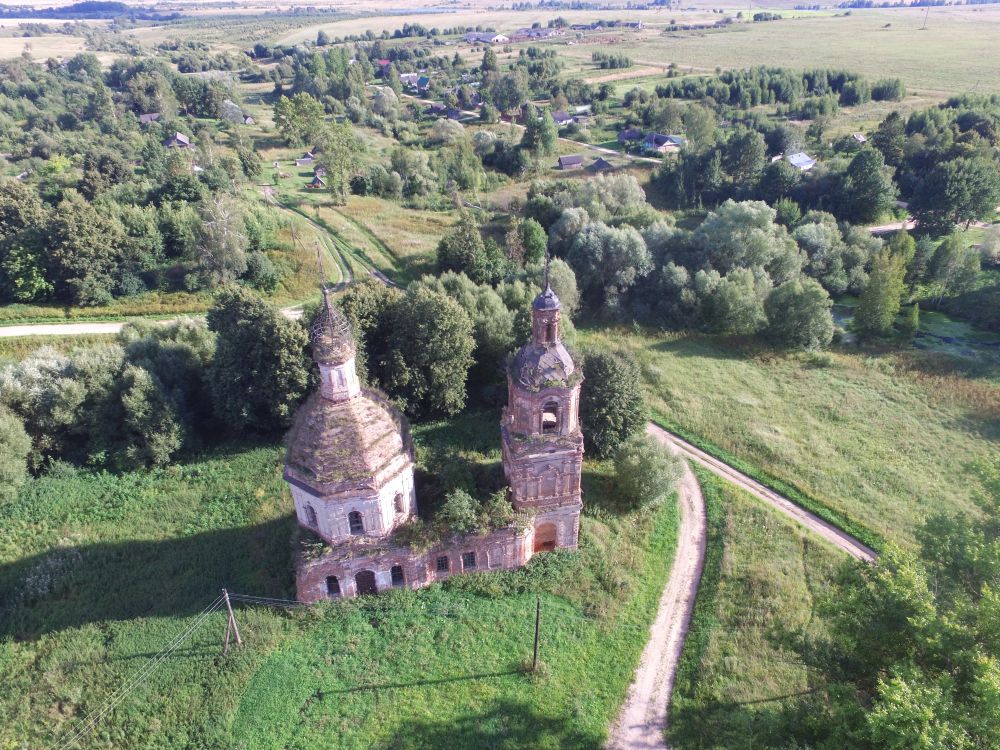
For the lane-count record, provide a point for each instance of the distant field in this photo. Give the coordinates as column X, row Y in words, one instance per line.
column 762, row 580
column 882, row 439
column 41, row 47
column 956, row 53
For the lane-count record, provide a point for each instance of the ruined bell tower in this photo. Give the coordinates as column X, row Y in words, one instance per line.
column 540, row 430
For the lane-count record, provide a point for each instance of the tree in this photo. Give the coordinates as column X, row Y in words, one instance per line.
column 868, row 189
column 612, row 408
column 646, row 471
column 339, row 148
column 745, row 235
column 260, row 372
column 957, row 190
column 298, row 118
column 699, row 125
column 510, row 90
column 880, row 300
column 462, row 249
column 151, row 432
column 745, row 159
column 890, row 139
column 489, row 64
column 778, row 181
column 954, row 267
column 430, row 353
column 607, row 263
column 534, row 240
column 14, row 448
column 798, row 315
column 322, row 38
column 548, row 136
column 222, row 255
column 733, row 304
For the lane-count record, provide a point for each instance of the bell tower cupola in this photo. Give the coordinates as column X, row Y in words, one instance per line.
column 334, row 352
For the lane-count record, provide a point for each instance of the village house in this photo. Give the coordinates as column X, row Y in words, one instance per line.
column 305, row 160
column 409, row 79
column 657, row 143
column 248, row 120
column 600, row 165
column 317, row 183
column 801, row 161
column 177, row 140
column 859, row 138
column 486, row 37
column 349, row 466
column 562, row 118
column 149, row 118
column 574, row 161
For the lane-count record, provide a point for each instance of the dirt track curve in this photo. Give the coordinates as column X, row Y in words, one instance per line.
column 643, row 718
column 642, row 722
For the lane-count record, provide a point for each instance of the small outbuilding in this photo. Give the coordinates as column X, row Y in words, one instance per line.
column 575, row 161
column 601, row 165
column 149, row 118
column 801, row 161
column 177, row 140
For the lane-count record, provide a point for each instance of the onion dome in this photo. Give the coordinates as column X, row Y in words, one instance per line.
column 547, row 300
column 332, row 338
column 538, row 367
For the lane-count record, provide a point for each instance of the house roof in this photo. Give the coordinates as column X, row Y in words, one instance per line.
column 801, row 160
column 859, row 137
column 658, row 139
column 149, row 117
column 570, row 161
column 179, row 138
column 561, row 116
column 601, row 165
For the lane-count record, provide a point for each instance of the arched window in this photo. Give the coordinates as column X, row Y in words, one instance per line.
column 398, row 502
column 396, row 574
column 355, row 523
column 550, row 417
column 332, row 587
column 311, row 516
column 550, row 334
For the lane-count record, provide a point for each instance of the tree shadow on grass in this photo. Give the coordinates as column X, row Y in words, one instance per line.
column 505, row 725
column 714, row 347
column 71, row 586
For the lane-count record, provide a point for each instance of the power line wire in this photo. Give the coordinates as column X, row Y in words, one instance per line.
column 94, row 717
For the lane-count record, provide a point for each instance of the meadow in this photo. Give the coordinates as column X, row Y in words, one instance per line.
column 881, row 438
column 763, row 578
column 98, row 572
column 953, row 55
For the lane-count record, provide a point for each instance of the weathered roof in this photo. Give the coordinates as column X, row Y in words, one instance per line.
column 547, row 300
column 538, row 366
column 353, row 445
column 570, row 161
column 332, row 338
column 601, row 165
column 801, row 160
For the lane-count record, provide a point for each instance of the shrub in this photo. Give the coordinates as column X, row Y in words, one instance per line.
column 14, row 447
column 646, row 471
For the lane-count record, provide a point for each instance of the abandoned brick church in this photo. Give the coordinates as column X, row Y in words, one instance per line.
column 350, row 468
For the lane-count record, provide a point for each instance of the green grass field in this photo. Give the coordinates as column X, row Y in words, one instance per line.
column 763, row 577
column 952, row 55
column 880, row 438
column 98, row 572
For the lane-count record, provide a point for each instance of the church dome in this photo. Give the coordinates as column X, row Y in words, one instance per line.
column 536, row 366
column 332, row 339
column 547, row 300
column 350, row 446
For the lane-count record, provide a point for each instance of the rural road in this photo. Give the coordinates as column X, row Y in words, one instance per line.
column 643, row 717
column 814, row 523
column 111, row 327
column 642, row 722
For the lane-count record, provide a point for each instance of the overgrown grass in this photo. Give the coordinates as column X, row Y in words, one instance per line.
column 16, row 348
column 99, row 571
column 880, row 439
column 740, row 670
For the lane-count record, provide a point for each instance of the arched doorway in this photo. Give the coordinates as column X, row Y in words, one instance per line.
column 545, row 537
column 364, row 581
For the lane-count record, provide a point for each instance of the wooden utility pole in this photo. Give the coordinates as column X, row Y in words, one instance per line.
column 231, row 626
column 538, row 620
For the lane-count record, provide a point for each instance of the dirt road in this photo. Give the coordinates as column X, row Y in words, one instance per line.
column 82, row 329
column 643, row 718
column 814, row 523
